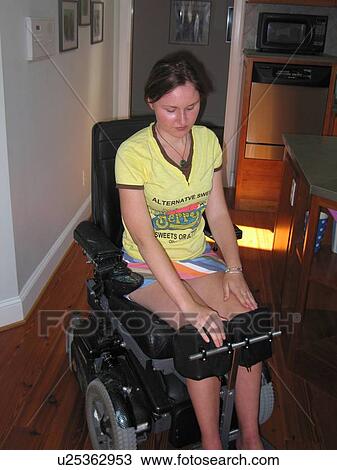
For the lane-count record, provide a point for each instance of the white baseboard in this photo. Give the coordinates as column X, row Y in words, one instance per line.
column 11, row 311
column 39, row 278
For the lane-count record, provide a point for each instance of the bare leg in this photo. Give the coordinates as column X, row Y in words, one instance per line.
column 206, row 391
column 209, row 289
column 247, row 399
column 247, row 388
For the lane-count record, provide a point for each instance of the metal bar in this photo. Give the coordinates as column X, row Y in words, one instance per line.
column 228, row 401
column 222, row 349
column 233, row 371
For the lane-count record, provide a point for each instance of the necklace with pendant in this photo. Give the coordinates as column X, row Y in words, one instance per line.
column 182, row 162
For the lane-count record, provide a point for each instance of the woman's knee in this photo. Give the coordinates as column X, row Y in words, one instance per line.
column 210, row 289
column 234, row 306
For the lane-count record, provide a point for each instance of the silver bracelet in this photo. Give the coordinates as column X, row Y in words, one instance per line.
column 233, row 270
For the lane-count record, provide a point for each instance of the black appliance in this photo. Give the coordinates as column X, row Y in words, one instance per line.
column 293, row 33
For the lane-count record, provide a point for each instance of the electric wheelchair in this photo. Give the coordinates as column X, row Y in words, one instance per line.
column 130, row 364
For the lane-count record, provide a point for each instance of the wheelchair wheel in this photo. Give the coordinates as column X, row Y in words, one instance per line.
column 267, row 398
column 104, row 431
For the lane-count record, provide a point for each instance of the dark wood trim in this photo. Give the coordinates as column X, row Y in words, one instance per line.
column 330, row 121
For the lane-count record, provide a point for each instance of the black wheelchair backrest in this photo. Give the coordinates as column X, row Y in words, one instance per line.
column 106, row 138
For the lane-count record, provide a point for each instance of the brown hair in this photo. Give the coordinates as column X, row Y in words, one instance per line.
column 174, row 70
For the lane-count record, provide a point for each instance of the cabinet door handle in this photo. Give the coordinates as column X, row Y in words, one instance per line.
column 292, row 192
column 229, row 24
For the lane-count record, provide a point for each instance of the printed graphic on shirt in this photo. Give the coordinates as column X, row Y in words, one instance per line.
column 190, row 197
column 187, row 217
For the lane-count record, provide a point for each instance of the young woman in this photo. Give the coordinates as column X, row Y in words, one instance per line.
column 168, row 174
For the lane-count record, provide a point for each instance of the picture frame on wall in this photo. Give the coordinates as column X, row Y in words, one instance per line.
column 68, row 25
column 84, row 12
column 190, row 22
column 97, row 22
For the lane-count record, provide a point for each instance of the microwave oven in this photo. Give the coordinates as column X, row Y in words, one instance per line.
column 293, row 33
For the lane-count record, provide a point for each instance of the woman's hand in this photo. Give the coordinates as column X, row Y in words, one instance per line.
column 205, row 319
column 235, row 283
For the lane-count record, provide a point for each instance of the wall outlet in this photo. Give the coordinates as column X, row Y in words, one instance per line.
column 84, row 178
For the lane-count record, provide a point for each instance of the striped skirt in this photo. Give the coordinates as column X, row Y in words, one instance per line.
column 207, row 263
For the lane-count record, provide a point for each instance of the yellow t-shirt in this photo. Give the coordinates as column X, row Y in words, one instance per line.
column 176, row 198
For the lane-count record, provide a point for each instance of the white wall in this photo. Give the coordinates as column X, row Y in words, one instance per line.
column 10, row 305
column 122, row 30
column 233, row 99
column 50, row 108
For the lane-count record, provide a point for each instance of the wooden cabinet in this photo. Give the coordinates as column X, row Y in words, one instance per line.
column 313, row 346
column 258, row 177
column 288, row 243
column 322, row 3
column 305, row 282
column 289, row 235
column 258, row 180
column 284, row 224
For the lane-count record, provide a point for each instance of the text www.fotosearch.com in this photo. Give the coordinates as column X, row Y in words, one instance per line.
column 138, row 459
column 188, row 460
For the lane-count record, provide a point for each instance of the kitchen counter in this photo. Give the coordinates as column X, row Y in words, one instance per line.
column 323, row 59
column 316, row 157
column 304, row 279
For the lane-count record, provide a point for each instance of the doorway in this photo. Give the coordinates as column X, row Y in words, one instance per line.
column 152, row 39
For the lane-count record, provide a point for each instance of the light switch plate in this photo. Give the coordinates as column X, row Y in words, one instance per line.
column 40, row 38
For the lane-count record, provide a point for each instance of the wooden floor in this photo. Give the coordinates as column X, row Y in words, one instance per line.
column 41, row 406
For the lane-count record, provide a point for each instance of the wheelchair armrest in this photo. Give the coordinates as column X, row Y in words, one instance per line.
column 94, row 241
column 107, row 258
column 97, row 246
